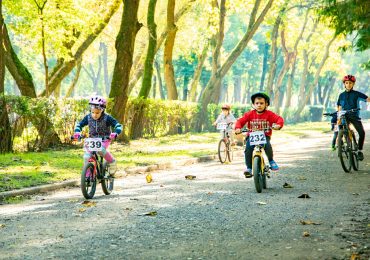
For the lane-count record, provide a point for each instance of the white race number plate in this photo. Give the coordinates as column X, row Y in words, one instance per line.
column 257, row 137
column 93, row 144
column 221, row 126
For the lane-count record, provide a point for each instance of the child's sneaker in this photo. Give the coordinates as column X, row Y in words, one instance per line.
column 360, row 155
column 248, row 173
column 333, row 148
column 274, row 166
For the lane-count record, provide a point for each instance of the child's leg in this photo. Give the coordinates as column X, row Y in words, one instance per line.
column 248, row 154
column 334, row 141
column 268, row 149
column 105, row 153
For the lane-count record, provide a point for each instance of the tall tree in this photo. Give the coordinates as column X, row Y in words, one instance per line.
column 216, row 78
column 5, row 130
column 137, row 124
column 139, row 67
column 197, row 73
column 125, row 44
column 169, row 74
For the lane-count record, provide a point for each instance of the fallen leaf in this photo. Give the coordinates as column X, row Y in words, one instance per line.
column 128, row 208
column 81, row 210
column 151, row 214
column 149, row 178
column 306, row 234
column 355, row 256
column 161, row 186
column 190, row 177
column 209, row 193
column 304, row 196
column 356, row 194
column 2, row 225
column 261, row 203
column 61, row 236
column 287, row 186
column 88, row 203
column 73, row 200
column 301, row 178
column 309, row 222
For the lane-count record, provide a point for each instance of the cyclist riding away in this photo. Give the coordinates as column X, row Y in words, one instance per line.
column 259, row 119
column 350, row 99
column 100, row 124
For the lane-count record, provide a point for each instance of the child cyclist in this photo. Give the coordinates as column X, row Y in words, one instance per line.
column 350, row 99
column 100, row 124
column 226, row 117
column 259, row 119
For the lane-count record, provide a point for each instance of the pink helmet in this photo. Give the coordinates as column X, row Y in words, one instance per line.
column 349, row 78
column 98, row 102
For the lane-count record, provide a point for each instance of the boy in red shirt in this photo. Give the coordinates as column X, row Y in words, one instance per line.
column 259, row 119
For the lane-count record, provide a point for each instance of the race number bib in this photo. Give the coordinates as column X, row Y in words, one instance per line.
column 93, row 144
column 221, row 126
column 257, row 137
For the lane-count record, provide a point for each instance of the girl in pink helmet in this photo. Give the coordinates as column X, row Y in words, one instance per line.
column 102, row 125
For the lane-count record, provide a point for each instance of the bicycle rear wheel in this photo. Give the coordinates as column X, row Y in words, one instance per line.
column 88, row 181
column 355, row 162
column 107, row 182
column 344, row 151
column 257, row 173
column 222, row 151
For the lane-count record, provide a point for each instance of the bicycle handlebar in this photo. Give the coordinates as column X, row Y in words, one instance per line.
column 84, row 137
column 345, row 111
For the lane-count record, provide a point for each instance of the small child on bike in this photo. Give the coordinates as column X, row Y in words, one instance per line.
column 100, row 124
column 228, row 118
column 350, row 99
column 259, row 119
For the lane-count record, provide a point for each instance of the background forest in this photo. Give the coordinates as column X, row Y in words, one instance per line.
column 167, row 64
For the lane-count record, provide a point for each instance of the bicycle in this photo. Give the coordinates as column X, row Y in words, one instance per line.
column 260, row 166
column 225, row 149
column 347, row 143
column 96, row 170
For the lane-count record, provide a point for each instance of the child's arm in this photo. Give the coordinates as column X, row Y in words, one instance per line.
column 277, row 121
column 81, row 124
column 117, row 127
column 217, row 120
column 241, row 122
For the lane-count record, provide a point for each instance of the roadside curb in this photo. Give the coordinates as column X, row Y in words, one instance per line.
column 128, row 171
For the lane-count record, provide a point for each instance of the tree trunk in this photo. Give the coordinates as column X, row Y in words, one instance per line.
column 6, row 144
column 137, row 122
column 154, row 87
column 237, row 88
column 264, row 66
column 273, row 57
column 185, row 88
column 139, row 68
column 75, row 79
column 288, row 100
column 316, row 79
column 104, row 53
column 160, row 84
column 65, row 67
column 198, row 73
column 125, row 43
column 215, row 79
column 169, row 74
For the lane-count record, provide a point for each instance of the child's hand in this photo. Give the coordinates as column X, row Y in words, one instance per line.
column 113, row 136
column 237, row 130
column 77, row 135
column 276, row 127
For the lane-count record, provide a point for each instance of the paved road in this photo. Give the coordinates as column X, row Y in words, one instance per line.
column 218, row 215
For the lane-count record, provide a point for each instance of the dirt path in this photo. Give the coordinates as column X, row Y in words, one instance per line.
column 218, row 215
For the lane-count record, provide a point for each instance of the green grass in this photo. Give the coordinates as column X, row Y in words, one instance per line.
column 35, row 168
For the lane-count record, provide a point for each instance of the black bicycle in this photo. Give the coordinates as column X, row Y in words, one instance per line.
column 347, row 143
column 96, row 170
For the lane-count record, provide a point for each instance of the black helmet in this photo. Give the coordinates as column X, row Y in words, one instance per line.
column 261, row 95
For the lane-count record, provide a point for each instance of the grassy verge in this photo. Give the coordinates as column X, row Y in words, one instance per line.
column 31, row 169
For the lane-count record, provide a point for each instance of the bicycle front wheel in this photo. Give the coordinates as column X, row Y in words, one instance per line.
column 344, row 151
column 355, row 162
column 88, row 181
column 108, row 181
column 257, row 173
column 222, row 151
